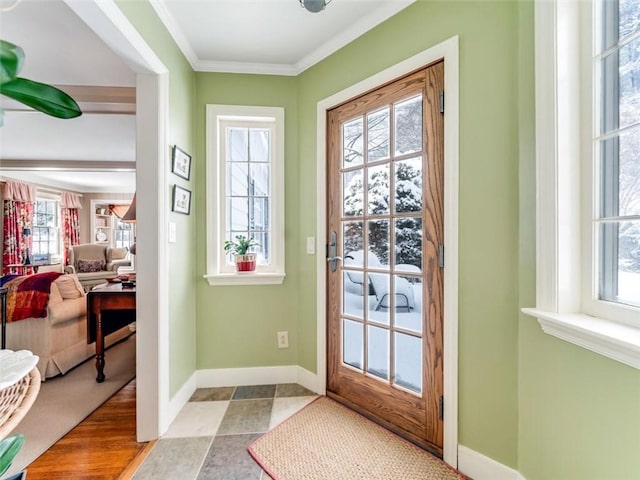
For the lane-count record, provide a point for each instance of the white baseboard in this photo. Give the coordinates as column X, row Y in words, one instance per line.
column 481, row 467
column 178, row 401
column 229, row 377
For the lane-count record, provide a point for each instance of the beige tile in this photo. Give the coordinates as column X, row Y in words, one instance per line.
column 284, row 407
column 198, row 419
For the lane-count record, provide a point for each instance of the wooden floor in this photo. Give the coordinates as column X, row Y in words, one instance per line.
column 102, row 447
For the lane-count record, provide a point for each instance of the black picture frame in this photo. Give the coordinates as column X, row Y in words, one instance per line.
column 181, row 202
column 180, row 163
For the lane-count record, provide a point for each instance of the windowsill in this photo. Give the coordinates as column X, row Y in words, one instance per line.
column 611, row 339
column 248, row 278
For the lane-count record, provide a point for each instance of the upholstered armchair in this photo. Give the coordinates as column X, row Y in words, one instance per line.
column 93, row 264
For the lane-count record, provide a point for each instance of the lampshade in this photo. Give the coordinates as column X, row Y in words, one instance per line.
column 130, row 215
column 314, row 6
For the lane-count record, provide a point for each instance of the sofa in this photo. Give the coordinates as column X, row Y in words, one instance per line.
column 96, row 264
column 59, row 339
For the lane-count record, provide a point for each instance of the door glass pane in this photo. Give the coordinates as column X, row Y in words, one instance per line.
column 378, row 135
column 378, row 244
column 353, row 343
column 353, row 193
column 408, row 126
column 354, row 291
column 259, row 144
column 408, row 248
column 380, row 298
column 238, row 140
column 378, row 351
column 408, row 292
column 408, row 185
column 352, row 238
column 352, row 143
column 378, row 190
column 408, row 362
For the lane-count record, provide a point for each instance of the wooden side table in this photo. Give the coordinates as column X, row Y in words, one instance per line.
column 100, row 300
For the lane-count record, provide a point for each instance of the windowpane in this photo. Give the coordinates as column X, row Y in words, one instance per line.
column 620, row 262
column 629, row 17
column 237, row 179
column 353, row 343
column 379, row 243
column 259, row 144
column 237, row 143
column 259, row 179
column 378, row 351
column 239, row 213
column 630, row 81
column 408, row 362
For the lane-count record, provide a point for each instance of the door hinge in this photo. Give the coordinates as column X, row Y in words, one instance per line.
column 441, row 256
column 441, row 97
column 441, row 408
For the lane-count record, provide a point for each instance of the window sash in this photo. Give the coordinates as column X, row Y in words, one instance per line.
column 220, row 271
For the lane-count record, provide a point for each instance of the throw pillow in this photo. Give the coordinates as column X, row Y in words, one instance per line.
column 118, row 253
column 88, row 266
column 68, row 287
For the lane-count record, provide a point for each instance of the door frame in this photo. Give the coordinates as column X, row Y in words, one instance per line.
column 153, row 403
column 447, row 50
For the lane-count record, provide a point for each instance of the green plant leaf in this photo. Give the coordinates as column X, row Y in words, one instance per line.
column 9, row 448
column 44, row 98
column 11, row 59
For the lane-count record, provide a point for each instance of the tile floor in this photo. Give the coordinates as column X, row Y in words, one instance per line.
column 208, row 440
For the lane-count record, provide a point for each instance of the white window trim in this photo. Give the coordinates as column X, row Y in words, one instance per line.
column 216, row 256
column 564, row 291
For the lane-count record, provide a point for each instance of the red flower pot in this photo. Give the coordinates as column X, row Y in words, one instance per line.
column 245, row 263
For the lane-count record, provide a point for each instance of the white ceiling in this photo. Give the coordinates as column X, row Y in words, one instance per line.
column 243, row 36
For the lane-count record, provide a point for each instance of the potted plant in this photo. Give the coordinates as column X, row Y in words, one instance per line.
column 245, row 260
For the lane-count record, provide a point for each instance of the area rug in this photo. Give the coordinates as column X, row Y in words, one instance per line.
column 326, row 440
column 64, row 401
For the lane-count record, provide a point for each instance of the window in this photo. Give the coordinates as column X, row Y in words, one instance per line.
column 616, row 142
column 124, row 234
column 588, row 171
column 245, row 191
column 46, row 236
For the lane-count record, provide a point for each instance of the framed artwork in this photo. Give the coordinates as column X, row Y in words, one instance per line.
column 181, row 200
column 181, row 163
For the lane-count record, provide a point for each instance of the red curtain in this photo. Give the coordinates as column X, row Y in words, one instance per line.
column 70, row 230
column 17, row 216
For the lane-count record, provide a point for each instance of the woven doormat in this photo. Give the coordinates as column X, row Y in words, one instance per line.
column 327, row 441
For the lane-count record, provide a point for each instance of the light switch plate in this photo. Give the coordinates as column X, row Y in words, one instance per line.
column 173, row 234
column 311, row 245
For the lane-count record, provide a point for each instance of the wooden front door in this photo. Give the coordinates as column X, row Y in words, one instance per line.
column 384, row 275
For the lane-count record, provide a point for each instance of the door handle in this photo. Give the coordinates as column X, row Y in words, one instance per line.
column 332, row 250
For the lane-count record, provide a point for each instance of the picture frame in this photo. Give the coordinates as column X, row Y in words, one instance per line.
column 180, row 163
column 181, row 200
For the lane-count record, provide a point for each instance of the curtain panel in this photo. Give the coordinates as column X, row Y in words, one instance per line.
column 70, row 230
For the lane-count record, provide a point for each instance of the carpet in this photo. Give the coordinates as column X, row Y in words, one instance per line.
column 64, row 401
column 326, row 440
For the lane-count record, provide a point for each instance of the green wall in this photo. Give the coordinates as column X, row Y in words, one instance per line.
column 182, row 301
column 579, row 412
column 237, row 325
column 527, row 400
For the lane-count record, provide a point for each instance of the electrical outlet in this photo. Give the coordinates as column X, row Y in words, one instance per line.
column 283, row 339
